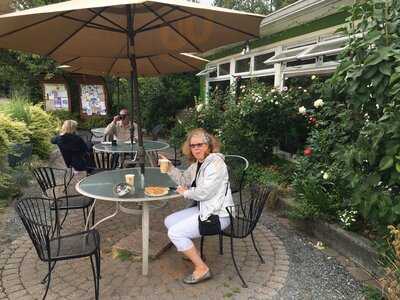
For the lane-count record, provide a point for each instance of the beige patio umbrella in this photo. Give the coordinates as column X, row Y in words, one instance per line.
column 155, row 65
column 125, row 29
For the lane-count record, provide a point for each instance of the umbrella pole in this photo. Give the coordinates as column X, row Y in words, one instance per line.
column 135, row 86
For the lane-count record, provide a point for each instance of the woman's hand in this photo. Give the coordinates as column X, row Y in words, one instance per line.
column 180, row 190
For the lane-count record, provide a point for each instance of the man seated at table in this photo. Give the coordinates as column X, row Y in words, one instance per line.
column 120, row 127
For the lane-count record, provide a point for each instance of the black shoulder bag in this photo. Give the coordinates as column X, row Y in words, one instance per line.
column 212, row 225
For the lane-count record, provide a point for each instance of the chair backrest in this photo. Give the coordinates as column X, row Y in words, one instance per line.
column 155, row 132
column 245, row 215
column 237, row 166
column 51, row 180
column 39, row 221
column 105, row 160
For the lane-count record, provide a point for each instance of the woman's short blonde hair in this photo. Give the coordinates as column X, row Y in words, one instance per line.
column 213, row 143
column 69, row 126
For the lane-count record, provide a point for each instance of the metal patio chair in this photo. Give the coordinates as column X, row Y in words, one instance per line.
column 39, row 220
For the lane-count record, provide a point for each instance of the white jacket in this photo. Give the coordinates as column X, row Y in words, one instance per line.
column 212, row 189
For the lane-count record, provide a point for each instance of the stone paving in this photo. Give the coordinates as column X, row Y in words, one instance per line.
column 21, row 270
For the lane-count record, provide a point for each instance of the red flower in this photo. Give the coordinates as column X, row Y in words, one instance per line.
column 312, row 120
column 308, row 151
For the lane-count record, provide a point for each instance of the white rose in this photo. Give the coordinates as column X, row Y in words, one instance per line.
column 285, row 88
column 273, row 91
column 313, row 77
column 318, row 103
column 276, row 103
column 199, row 107
column 325, row 176
column 302, row 110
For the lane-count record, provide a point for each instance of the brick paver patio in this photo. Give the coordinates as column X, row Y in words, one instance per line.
column 21, row 271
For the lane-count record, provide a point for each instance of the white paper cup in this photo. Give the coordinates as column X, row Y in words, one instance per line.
column 164, row 165
column 130, row 179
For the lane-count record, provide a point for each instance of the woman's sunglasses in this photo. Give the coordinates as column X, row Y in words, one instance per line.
column 199, row 145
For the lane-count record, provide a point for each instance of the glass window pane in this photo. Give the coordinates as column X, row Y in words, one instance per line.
column 300, row 62
column 224, row 69
column 260, row 59
column 242, row 65
column 213, row 74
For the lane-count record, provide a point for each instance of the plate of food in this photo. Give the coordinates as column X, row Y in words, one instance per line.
column 129, row 142
column 156, row 191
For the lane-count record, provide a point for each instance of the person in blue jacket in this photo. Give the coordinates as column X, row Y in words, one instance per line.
column 73, row 148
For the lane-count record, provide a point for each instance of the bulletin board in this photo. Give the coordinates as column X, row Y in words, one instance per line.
column 56, row 95
column 93, row 95
column 93, row 100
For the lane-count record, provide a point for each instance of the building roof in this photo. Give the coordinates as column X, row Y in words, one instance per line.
column 295, row 14
column 298, row 13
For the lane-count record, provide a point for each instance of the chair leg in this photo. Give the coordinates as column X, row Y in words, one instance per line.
column 221, row 244
column 236, row 267
column 48, row 276
column 93, row 215
column 201, row 248
column 255, row 247
column 84, row 216
column 95, row 275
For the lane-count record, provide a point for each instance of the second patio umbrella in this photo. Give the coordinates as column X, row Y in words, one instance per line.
column 125, row 29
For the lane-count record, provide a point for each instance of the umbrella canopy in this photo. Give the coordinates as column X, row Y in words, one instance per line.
column 98, row 28
column 124, row 29
column 150, row 66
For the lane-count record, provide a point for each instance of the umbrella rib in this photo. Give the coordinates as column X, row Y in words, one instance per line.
column 94, row 25
column 115, row 60
column 33, row 24
column 110, row 21
column 152, row 21
column 173, row 28
column 213, row 21
column 162, row 25
column 154, row 66
column 182, row 61
column 75, row 32
column 70, row 60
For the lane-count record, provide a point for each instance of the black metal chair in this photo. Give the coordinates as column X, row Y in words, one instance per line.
column 237, row 166
column 39, row 220
column 105, row 160
column 52, row 182
column 243, row 219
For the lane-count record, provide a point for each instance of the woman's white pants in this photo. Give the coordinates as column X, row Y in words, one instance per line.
column 183, row 226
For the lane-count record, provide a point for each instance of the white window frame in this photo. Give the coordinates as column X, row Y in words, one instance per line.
column 207, row 71
column 308, row 52
column 227, row 75
column 250, row 67
column 297, row 51
column 264, row 71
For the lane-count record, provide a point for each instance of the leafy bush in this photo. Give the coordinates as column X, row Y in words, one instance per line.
column 40, row 124
column 94, row 122
column 63, row 115
column 254, row 123
column 11, row 132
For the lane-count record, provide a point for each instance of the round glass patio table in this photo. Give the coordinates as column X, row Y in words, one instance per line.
column 100, row 186
column 127, row 147
column 98, row 132
column 150, row 147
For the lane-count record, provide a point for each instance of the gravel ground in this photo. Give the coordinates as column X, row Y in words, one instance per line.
column 312, row 273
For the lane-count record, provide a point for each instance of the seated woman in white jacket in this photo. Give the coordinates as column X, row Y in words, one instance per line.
column 206, row 181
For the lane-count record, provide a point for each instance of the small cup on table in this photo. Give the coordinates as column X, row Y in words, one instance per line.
column 130, row 180
column 164, row 165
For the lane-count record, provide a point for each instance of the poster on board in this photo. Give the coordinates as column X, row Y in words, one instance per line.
column 56, row 96
column 93, row 100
